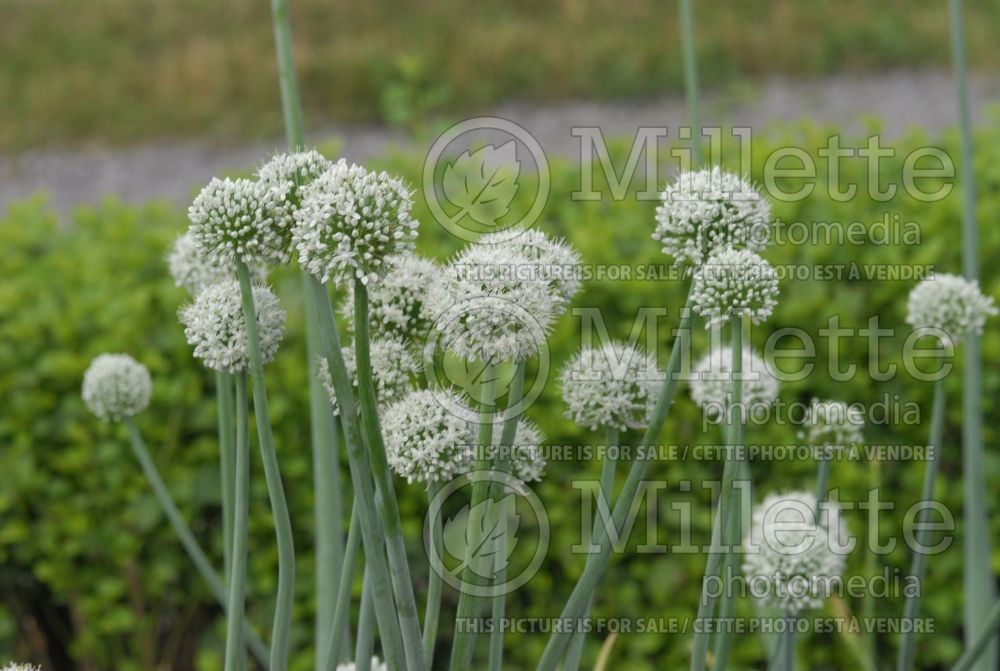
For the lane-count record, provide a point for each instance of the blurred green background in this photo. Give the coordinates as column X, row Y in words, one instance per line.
column 123, row 70
column 90, row 568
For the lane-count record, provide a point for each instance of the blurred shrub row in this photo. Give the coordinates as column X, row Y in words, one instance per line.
column 90, row 571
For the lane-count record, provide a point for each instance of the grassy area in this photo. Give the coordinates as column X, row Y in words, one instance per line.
column 123, row 70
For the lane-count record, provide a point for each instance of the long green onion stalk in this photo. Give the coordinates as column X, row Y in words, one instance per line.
column 691, row 79
column 241, row 506
column 980, row 642
column 282, row 629
column 227, row 461
column 187, row 539
column 597, row 562
column 336, row 640
column 366, row 629
column 364, row 492
column 918, row 567
column 978, row 580
column 432, row 612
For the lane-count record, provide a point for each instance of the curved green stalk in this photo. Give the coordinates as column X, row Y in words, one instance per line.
column 986, row 634
column 691, row 80
column 501, row 462
column 979, row 585
column 918, row 566
column 366, row 629
column 364, row 494
column 606, row 491
column 282, row 629
column 334, row 653
column 464, row 638
column 241, row 505
column 432, row 612
column 399, row 569
column 187, row 539
column 597, row 562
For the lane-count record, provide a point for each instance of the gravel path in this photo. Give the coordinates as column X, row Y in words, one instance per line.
column 171, row 170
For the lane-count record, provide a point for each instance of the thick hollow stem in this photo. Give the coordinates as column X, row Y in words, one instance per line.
column 691, row 80
column 918, row 566
column 366, row 629
column 334, row 653
column 364, row 491
column 597, row 562
column 227, row 462
column 241, row 506
column 432, row 612
column 282, row 629
column 187, row 539
column 402, row 583
column 980, row 642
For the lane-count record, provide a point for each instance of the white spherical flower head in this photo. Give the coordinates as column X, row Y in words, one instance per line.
column 611, row 385
column 116, row 386
column 214, row 326
column 397, row 304
column 555, row 260
column 376, row 665
column 237, row 220
column 833, row 425
column 394, row 368
column 734, row 283
column 491, row 306
column 708, row 210
column 791, row 562
column 951, row 304
column 287, row 176
column 193, row 272
column 712, row 383
column 425, row 440
column 527, row 463
column 350, row 222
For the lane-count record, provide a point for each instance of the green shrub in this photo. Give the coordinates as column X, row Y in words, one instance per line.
column 88, row 567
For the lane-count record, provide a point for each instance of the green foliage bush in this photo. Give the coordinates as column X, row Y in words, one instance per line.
column 89, row 568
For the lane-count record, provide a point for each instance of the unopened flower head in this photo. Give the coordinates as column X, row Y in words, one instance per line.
column 116, row 386
column 193, row 272
column 950, row 303
column 287, row 176
column 425, row 440
column 237, row 220
column 215, row 327
column 397, row 304
column 394, row 368
column 833, row 425
column 375, row 665
column 708, row 210
column 350, row 222
column 712, row 383
column 790, row 561
column 491, row 305
column 555, row 260
column 734, row 283
column 527, row 463
column 611, row 385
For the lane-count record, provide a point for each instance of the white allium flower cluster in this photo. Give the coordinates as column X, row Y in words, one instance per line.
column 712, row 383
column 950, row 303
column 116, row 386
column 492, row 305
column 732, row 283
column 527, row 463
column 376, row 665
column 706, row 211
column 238, row 220
column 193, row 272
column 214, row 326
column 554, row 260
column 350, row 221
column 397, row 304
column 833, row 425
column 425, row 440
column 21, row 667
column 394, row 368
column 790, row 561
column 287, row 176
column 611, row 385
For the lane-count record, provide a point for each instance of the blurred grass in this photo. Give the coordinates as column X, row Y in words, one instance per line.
column 125, row 70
